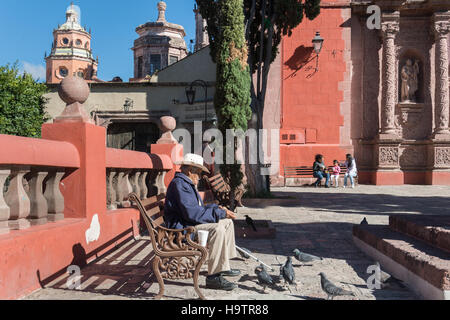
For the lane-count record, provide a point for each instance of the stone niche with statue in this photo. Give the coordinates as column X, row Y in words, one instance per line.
column 404, row 74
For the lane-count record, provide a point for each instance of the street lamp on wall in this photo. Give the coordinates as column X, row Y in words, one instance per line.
column 318, row 44
column 190, row 95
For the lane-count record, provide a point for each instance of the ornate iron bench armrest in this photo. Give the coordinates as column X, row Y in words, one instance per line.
column 177, row 243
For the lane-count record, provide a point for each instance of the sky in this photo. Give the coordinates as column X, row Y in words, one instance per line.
column 26, row 30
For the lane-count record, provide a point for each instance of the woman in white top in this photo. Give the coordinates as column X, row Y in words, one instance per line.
column 352, row 171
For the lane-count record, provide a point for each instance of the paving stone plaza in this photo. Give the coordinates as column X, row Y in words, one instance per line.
column 319, row 221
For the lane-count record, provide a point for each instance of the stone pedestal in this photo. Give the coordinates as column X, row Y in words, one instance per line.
column 439, row 161
column 387, row 149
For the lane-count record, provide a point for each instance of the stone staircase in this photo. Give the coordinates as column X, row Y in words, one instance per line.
column 414, row 249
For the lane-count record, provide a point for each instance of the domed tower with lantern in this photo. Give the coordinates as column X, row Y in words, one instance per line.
column 159, row 45
column 71, row 52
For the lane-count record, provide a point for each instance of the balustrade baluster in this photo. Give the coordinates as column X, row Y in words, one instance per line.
column 18, row 201
column 143, row 185
column 127, row 189
column 135, row 182
column 4, row 209
column 120, row 189
column 110, row 190
column 38, row 203
column 54, row 197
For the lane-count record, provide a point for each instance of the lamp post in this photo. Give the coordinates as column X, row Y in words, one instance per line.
column 190, row 94
column 318, row 44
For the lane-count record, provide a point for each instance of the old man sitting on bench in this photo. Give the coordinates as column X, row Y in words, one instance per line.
column 184, row 208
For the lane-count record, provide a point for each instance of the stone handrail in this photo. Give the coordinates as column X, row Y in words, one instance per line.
column 32, row 170
column 132, row 171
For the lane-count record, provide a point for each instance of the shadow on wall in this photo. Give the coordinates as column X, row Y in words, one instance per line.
column 300, row 59
column 81, row 257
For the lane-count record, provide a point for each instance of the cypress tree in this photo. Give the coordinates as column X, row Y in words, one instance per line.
column 232, row 98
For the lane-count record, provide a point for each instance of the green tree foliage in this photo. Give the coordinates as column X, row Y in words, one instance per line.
column 21, row 103
column 232, row 99
column 266, row 22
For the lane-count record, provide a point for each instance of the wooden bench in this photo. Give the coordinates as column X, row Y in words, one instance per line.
column 308, row 172
column 222, row 191
column 177, row 256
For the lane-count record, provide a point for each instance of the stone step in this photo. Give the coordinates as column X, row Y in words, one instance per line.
column 423, row 268
column 433, row 229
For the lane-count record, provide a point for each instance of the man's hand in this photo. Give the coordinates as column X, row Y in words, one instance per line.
column 230, row 214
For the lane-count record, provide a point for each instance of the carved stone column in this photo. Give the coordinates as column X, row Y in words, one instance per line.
column 439, row 148
column 389, row 30
column 441, row 31
column 388, row 142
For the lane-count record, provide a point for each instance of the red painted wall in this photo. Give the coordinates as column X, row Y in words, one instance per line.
column 312, row 101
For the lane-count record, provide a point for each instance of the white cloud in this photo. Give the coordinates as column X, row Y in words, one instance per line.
column 37, row 71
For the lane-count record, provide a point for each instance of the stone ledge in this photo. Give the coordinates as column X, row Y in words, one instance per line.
column 428, row 263
column 434, row 230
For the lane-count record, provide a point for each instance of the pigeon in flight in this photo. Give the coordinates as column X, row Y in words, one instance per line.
column 263, row 277
column 250, row 222
column 305, row 257
column 332, row 290
column 364, row 222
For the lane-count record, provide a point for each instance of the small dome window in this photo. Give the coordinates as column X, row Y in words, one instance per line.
column 65, row 41
column 80, row 74
column 86, row 45
column 79, row 43
column 63, row 72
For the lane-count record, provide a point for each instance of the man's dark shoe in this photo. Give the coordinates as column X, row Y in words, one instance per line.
column 218, row 282
column 231, row 273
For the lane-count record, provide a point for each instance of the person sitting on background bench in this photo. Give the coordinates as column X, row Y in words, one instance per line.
column 184, row 208
column 320, row 171
column 352, row 171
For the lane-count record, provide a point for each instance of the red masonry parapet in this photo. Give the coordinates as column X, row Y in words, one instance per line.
column 68, row 206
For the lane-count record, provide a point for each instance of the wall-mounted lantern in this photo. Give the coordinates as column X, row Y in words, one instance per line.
column 318, row 44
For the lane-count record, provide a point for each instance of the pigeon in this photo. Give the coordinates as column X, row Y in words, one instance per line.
column 364, row 222
column 331, row 290
column 250, row 222
column 263, row 277
column 305, row 257
column 243, row 255
column 287, row 272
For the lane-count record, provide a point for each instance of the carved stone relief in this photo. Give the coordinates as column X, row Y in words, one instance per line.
column 388, row 156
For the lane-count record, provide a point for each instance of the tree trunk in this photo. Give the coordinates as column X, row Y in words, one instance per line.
column 256, row 182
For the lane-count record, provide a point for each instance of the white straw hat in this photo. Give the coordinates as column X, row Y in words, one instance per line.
column 193, row 160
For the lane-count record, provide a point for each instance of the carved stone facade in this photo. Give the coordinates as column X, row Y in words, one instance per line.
column 405, row 78
column 388, row 157
column 442, row 157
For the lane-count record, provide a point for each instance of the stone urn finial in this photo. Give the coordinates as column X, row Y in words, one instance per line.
column 162, row 6
column 74, row 91
column 167, row 125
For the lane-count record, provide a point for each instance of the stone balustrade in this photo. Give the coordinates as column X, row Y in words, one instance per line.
column 131, row 171
column 30, row 176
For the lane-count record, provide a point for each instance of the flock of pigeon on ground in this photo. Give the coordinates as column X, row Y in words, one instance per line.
column 288, row 274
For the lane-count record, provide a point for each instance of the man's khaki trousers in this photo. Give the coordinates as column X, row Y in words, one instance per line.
column 221, row 245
